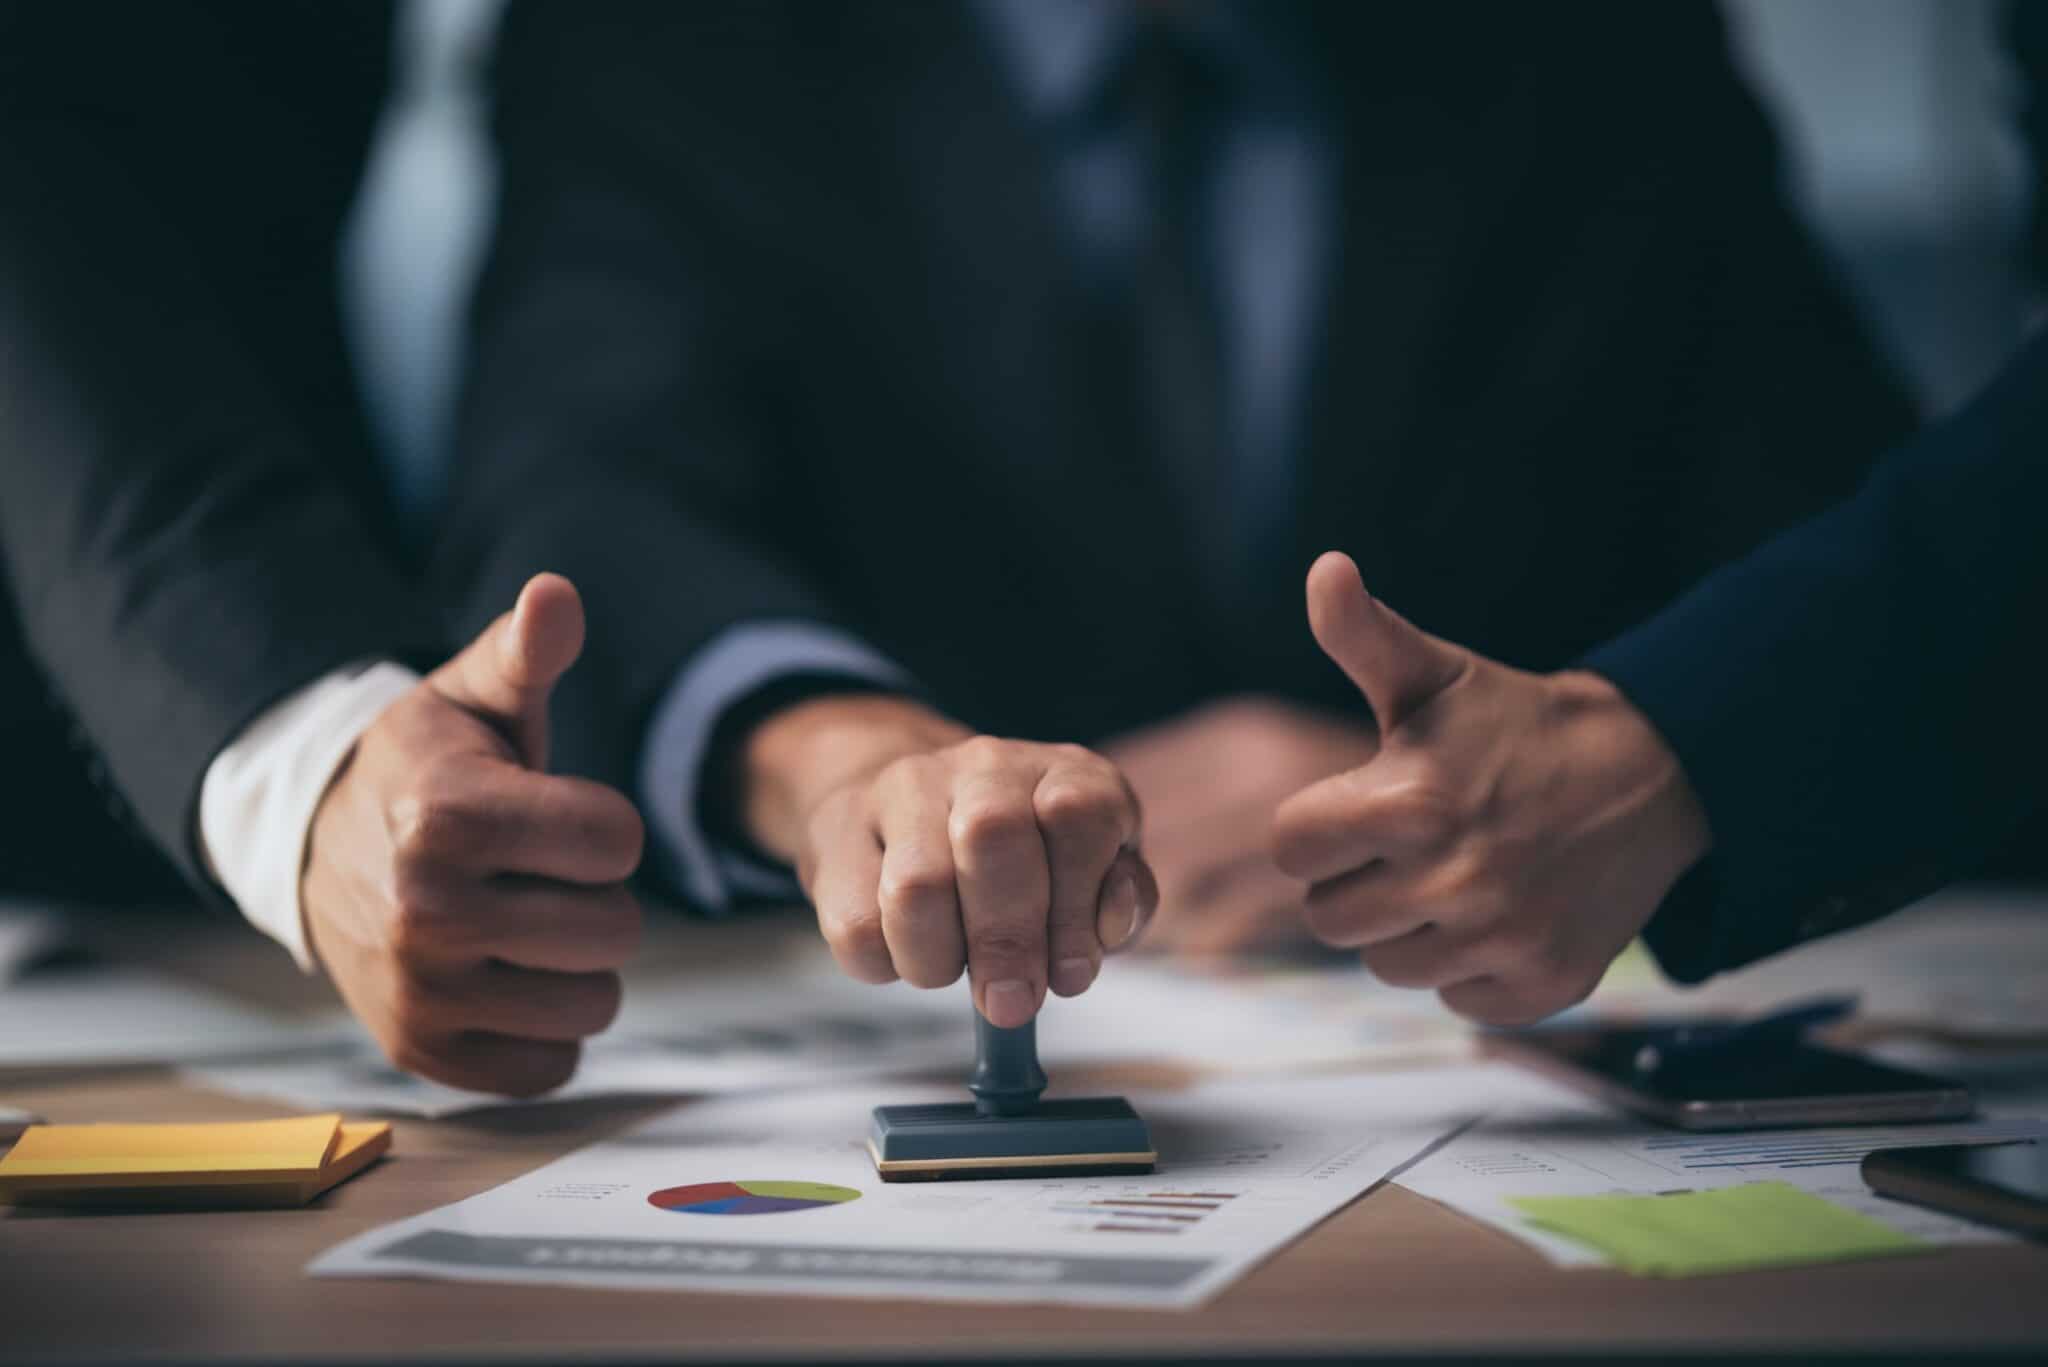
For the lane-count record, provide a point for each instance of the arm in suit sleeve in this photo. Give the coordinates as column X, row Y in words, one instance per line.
column 619, row 419
column 180, row 548
column 1858, row 703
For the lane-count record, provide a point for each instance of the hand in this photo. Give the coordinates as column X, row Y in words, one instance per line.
column 1514, row 832
column 1209, row 782
column 926, row 848
column 471, row 909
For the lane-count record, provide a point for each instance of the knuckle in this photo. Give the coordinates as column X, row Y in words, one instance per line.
column 913, row 889
column 1078, row 806
column 857, row 938
column 983, row 752
column 428, row 824
column 985, row 824
column 1068, row 755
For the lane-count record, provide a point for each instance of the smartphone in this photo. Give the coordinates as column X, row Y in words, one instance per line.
column 2000, row 1184
column 1783, row 1083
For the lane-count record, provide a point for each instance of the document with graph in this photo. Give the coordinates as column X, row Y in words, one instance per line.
column 1566, row 1146
column 777, row 1195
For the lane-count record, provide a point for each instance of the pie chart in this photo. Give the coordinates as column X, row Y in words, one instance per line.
column 750, row 1198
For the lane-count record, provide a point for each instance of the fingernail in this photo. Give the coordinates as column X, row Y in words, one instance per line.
column 1119, row 910
column 1009, row 1003
column 1070, row 977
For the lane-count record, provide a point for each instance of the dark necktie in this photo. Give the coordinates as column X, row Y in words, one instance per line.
column 1181, row 371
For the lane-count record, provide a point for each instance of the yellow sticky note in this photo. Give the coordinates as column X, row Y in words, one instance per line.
column 1759, row 1224
column 359, row 1145
column 138, row 1156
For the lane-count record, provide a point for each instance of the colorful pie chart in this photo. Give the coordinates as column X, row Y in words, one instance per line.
column 750, row 1198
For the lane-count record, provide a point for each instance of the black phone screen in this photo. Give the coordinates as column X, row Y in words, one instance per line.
column 2020, row 1169
column 1759, row 1085
column 1782, row 1072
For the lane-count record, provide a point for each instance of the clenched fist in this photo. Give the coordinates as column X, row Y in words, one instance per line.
column 470, row 908
column 1511, row 836
column 928, row 849
column 1210, row 780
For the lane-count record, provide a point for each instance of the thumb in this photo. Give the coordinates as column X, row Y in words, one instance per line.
column 507, row 672
column 1397, row 667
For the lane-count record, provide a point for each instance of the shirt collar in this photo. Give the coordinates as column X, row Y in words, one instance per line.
column 1062, row 54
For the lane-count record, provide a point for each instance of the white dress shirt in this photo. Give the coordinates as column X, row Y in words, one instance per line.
column 257, row 800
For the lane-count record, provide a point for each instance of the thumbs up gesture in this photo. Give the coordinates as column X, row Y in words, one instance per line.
column 471, row 908
column 1512, row 833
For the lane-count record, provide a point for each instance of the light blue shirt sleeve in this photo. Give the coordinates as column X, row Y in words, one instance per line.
column 735, row 664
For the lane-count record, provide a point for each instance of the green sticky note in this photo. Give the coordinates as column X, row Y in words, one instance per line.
column 1684, row 1234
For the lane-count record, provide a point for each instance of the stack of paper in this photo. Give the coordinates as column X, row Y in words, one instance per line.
column 252, row 1163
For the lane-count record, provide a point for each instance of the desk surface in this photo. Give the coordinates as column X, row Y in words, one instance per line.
column 1391, row 1274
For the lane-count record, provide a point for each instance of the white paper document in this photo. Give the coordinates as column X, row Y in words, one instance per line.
column 806, row 1048
column 778, row 1196
column 91, row 1015
column 800, row 1025
column 1570, row 1147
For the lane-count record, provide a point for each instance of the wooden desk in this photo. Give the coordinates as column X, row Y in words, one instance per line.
column 1392, row 1275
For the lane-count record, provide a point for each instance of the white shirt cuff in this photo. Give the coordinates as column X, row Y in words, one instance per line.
column 257, row 801
column 736, row 663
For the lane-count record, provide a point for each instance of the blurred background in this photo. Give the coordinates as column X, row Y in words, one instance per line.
column 1897, row 119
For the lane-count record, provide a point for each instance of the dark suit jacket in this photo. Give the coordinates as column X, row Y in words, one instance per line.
column 780, row 324
column 187, row 523
column 1859, row 703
